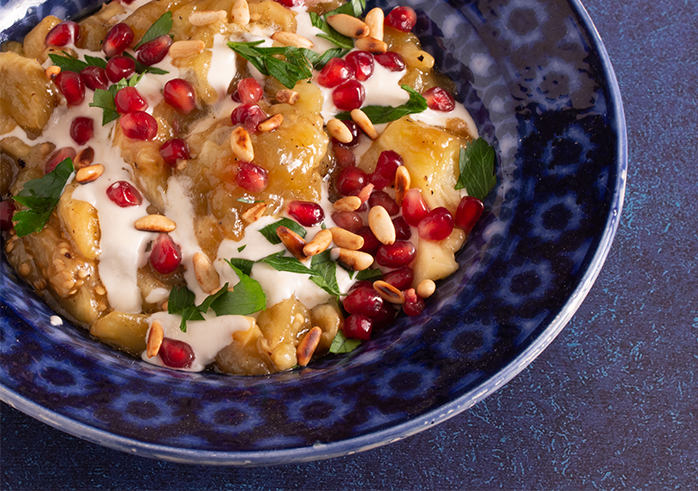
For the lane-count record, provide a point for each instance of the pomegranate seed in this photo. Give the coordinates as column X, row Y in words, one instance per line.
column 165, row 256
column 384, row 317
column 235, row 96
column 249, row 91
column 439, row 100
column 139, row 125
column 71, row 86
column 251, row 177
column 291, row 3
column 344, row 156
column 437, row 225
column 414, row 305
column 468, row 213
column 180, row 94
column 401, row 18
column 335, row 72
column 363, row 301
column 306, row 213
column 358, row 326
column 348, row 220
column 62, row 34
column 94, row 77
column 119, row 68
column 174, row 150
column 249, row 115
column 381, row 198
column 371, row 243
column 350, row 95
column 396, row 255
column 81, row 129
column 388, row 162
column 391, row 60
column 128, row 100
column 59, row 156
column 402, row 228
column 400, row 278
column 176, row 354
column 154, row 51
column 362, row 284
column 363, row 64
column 355, row 134
column 7, row 211
column 414, row 209
column 350, row 180
column 124, row 194
column 117, row 40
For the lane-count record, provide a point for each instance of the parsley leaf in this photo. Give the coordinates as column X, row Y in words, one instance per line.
column 242, row 248
column 342, row 344
column 159, row 28
column 369, row 274
column 270, row 230
column 244, row 265
column 246, row 298
column 284, row 263
column 325, row 270
column 476, row 164
column 320, row 60
column 386, row 114
column 181, row 302
column 104, row 99
column 354, row 8
column 41, row 196
column 73, row 64
column 295, row 68
column 141, row 68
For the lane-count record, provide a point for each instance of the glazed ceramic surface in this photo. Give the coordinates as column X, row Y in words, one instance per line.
column 538, row 83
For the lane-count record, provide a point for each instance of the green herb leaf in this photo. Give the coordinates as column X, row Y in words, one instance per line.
column 320, row 60
column 181, row 302
column 270, row 230
column 369, row 274
column 208, row 301
column 245, row 265
column 41, row 197
column 246, row 298
column 73, row 64
column 330, row 34
column 104, row 99
column 295, row 68
column 249, row 201
column 242, row 248
column 354, row 8
column 94, row 61
column 141, row 68
column 386, row 114
column 476, row 164
column 159, row 28
column 325, row 273
column 288, row 264
column 342, row 344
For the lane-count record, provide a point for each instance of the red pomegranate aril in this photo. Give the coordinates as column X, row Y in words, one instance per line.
column 306, row 213
column 414, row 208
column 81, row 129
column 439, row 100
column 358, row 326
column 291, row 3
column 363, row 64
column 363, row 301
column 7, row 211
column 381, row 198
column 355, row 134
column 348, row 220
column 350, row 95
column 437, row 225
column 57, row 157
column 128, row 100
column 251, row 177
column 468, row 213
column 165, row 256
column 379, row 181
column 94, row 77
column 124, row 194
column 139, row 125
column 335, row 72
column 396, row 255
column 71, row 86
column 176, row 354
column 180, row 94
column 119, row 68
column 414, row 305
column 350, row 180
column 154, row 51
column 400, row 278
column 388, row 162
column 174, row 150
column 248, row 115
column 371, row 243
column 362, row 284
column 344, row 156
column 385, row 316
column 62, row 34
column 401, row 18
column 391, row 60
column 117, row 40
column 402, row 228
column 249, row 91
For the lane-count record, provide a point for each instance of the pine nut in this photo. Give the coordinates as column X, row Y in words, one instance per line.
column 206, row 274
column 337, row 129
column 241, row 12
column 52, row 72
column 89, row 174
column 269, row 125
column 365, row 192
column 293, row 242
column 320, row 243
column 155, row 223
column 155, row 337
column 254, row 213
column 426, row 288
column 206, row 17
column 346, row 240
column 241, row 144
column 348, row 203
column 84, row 158
column 182, row 49
column 356, row 260
column 402, row 183
column 348, row 25
column 372, row 45
column 374, row 21
column 287, row 96
column 292, row 39
column 308, row 345
column 388, row 292
column 24, row 269
column 364, row 123
column 381, row 225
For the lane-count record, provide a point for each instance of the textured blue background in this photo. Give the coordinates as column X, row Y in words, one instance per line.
column 610, row 404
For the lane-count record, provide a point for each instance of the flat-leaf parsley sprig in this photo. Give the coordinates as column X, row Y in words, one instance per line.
column 476, row 163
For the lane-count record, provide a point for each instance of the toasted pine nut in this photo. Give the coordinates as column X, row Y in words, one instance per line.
column 364, row 123
column 241, row 12
column 206, row 17
column 24, row 269
column 241, row 144
column 293, row 242
column 348, row 203
column 374, row 21
column 270, row 124
column 84, row 158
column 254, row 213
column 426, row 288
column 182, row 49
column 356, row 260
column 308, row 345
column 337, row 129
column 182, row 164
column 155, row 337
column 52, row 72
column 89, row 173
column 365, row 192
column 381, row 225
column 346, row 240
column 370, row 44
column 388, row 292
column 402, row 183
column 348, row 25
column 206, row 274
column 287, row 96
column 292, row 39
column 155, row 223
column 320, row 243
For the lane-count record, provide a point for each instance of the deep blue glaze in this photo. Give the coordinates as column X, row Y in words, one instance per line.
column 542, row 91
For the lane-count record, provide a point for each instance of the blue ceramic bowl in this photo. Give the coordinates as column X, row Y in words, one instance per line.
column 538, row 82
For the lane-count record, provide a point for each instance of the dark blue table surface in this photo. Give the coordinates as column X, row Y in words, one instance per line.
column 610, row 404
